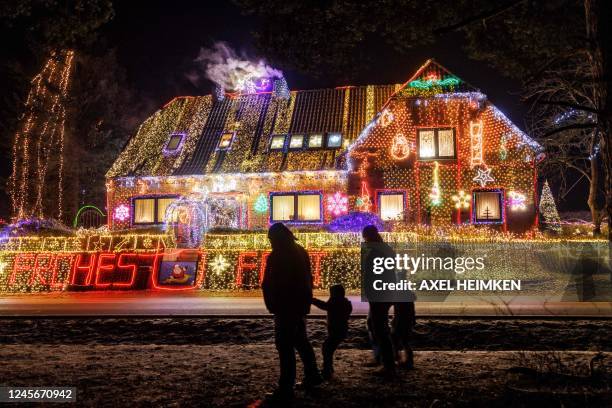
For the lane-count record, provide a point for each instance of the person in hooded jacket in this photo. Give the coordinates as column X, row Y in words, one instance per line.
column 287, row 292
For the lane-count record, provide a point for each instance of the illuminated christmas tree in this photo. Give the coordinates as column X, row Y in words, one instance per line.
column 548, row 210
column 37, row 180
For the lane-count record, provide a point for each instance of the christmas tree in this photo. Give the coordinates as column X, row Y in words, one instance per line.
column 548, row 210
column 261, row 204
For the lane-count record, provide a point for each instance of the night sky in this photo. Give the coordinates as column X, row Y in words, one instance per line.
column 158, row 43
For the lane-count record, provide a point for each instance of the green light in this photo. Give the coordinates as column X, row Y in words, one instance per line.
column 448, row 81
column 261, row 204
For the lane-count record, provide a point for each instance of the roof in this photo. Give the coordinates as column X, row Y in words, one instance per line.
column 253, row 118
column 249, row 121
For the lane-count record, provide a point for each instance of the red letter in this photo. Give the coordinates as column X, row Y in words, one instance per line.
column 132, row 267
column 22, row 263
column 40, row 267
column 78, row 268
column 262, row 267
column 316, row 267
column 244, row 266
column 105, row 268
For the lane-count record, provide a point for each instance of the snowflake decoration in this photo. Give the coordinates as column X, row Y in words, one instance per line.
column 147, row 242
column 337, row 203
column 219, row 264
column 483, row 177
column 122, row 212
column 461, row 200
column 517, row 201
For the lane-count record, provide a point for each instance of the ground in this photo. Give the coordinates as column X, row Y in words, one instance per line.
column 232, row 362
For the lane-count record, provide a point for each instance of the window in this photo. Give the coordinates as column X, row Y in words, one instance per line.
column 334, row 140
column 175, row 143
column 488, row 207
column 151, row 210
column 283, row 207
column 309, row 207
column 315, row 141
column 226, row 140
column 436, row 144
column 162, row 206
column 391, row 206
column 277, row 142
column 296, row 142
column 144, row 210
column 301, row 207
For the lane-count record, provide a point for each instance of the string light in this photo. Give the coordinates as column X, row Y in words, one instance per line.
column 39, row 140
column 516, row 201
column 483, row 176
column 436, row 195
column 337, row 203
column 476, row 143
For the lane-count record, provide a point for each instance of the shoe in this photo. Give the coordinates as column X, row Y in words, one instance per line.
column 385, row 372
column 279, row 397
column 309, row 382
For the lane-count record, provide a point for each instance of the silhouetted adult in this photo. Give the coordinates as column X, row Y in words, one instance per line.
column 287, row 291
column 379, row 311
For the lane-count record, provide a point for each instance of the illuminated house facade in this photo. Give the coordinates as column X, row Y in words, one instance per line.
column 433, row 151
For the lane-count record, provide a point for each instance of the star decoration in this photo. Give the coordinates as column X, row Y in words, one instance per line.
column 462, row 200
column 483, row 177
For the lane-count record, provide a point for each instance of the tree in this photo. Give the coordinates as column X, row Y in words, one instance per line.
column 520, row 38
column 103, row 112
column 576, row 147
column 37, row 29
column 548, row 209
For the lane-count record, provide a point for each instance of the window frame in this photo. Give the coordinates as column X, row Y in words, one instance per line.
column 295, row 195
column 502, row 200
column 291, row 136
column 274, row 136
column 321, row 146
column 155, row 208
column 231, row 141
column 436, row 156
column 170, row 152
column 380, row 193
column 328, row 135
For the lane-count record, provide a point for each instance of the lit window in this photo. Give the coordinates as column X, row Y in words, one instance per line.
column 488, row 207
column 334, row 139
column 436, row 144
column 315, row 141
column 283, row 207
column 226, row 140
column 162, row 206
column 175, row 143
column 151, row 210
column 309, row 207
column 144, row 210
column 303, row 207
column 296, row 142
column 391, row 206
column 277, row 142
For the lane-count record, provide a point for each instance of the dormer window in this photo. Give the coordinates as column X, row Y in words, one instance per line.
column 226, row 140
column 296, row 142
column 315, row 141
column 334, row 140
column 277, row 142
column 174, row 144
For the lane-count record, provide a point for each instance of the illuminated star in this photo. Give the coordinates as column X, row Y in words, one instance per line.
column 483, row 177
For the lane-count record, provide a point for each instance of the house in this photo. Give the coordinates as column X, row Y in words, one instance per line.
column 433, row 150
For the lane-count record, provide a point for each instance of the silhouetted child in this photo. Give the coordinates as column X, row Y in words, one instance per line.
column 402, row 330
column 338, row 309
